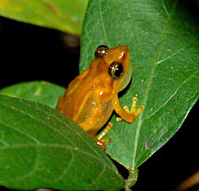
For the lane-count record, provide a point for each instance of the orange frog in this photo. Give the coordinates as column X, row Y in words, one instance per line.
column 93, row 95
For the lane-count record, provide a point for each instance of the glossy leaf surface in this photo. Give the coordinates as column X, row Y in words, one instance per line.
column 39, row 147
column 163, row 40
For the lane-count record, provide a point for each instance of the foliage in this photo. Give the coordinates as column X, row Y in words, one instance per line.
column 163, row 40
column 64, row 15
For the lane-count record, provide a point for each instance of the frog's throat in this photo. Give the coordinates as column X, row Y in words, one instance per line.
column 127, row 78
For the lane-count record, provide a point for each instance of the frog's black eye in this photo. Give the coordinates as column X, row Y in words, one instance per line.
column 116, row 70
column 101, row 51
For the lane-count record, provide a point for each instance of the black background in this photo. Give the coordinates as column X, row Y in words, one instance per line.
column 29, row 53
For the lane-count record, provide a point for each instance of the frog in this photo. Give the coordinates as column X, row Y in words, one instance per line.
column 92, row 96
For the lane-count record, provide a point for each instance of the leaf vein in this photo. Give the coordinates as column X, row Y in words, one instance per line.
column 36, row 119
column 174, row 93
column 73, row 129
column 4, row 143
column 21, row 132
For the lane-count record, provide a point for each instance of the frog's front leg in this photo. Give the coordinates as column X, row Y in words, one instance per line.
column 126, row 114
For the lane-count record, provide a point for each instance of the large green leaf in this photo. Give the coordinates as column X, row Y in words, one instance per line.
column 39, row 147
column 64, row 15
column 163, row 40
column 37, row 91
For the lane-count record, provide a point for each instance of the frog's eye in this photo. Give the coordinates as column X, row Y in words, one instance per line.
column 101, row 51
column 116, row 70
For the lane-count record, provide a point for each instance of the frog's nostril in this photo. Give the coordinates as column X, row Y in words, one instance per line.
column 124, row 55
column 124, row 48
column 124, row 51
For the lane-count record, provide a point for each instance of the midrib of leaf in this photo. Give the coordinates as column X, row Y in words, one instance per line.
column 36, row 119
column 38, row 145
column 148, row 87
column 56, row 118
column 51, row 127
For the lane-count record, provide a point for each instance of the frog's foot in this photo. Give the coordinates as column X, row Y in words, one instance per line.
column 133, row 110
column 100, row 137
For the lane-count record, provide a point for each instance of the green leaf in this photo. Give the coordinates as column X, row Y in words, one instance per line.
column 163, row 40
column 64, row 15
column 39, row 91
column 39, row 147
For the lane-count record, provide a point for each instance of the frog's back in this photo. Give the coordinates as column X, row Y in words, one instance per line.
column 81, row 105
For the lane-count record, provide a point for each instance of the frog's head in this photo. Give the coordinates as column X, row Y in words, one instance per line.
column 117, row 61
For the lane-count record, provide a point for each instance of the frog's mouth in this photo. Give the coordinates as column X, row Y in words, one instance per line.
column 127, row 78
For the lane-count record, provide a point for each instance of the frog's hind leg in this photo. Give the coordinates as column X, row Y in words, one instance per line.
column 99, row 138
column 103, row 133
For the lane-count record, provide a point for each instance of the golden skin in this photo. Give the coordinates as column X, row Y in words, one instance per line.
column 92, row 96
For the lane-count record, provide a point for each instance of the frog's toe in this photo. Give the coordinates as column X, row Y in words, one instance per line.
column 134, row 102
column 126, row 108
column 133, row 108
column 119, row 119
column 139, row 110
column 107, row 140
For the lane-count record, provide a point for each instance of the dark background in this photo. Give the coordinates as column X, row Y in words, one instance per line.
column 29, row 53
